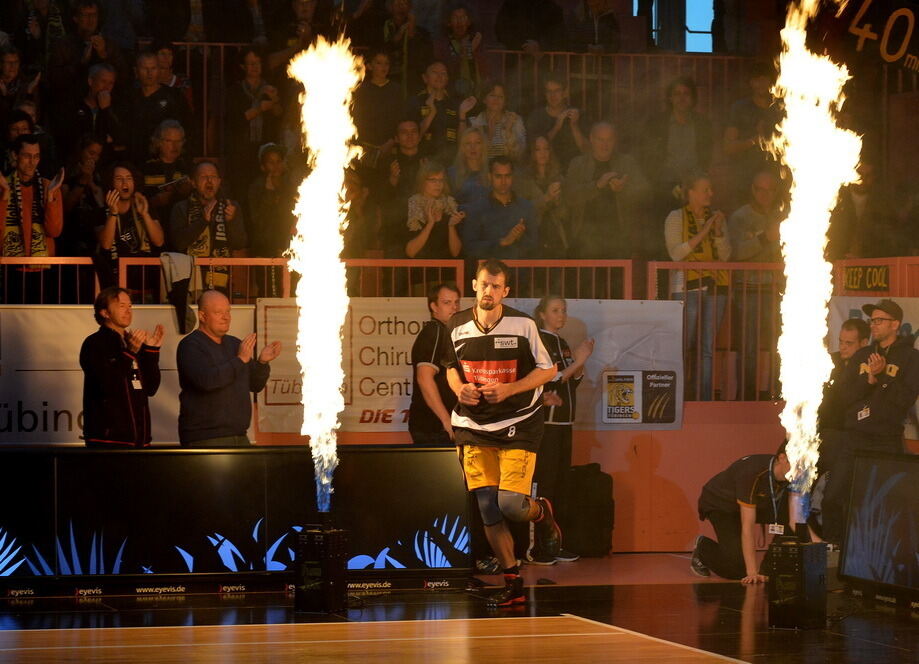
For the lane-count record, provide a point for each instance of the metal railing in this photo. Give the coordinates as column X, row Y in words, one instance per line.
column 595, row 280
column 47, row 280
column 368, row 277
column 730, row 326
column 243, row 279
column 623, row 84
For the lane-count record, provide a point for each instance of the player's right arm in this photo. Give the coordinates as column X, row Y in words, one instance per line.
column 467, row 393
column 748, row 544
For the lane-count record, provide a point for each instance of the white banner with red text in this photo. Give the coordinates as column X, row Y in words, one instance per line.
column 633, row 380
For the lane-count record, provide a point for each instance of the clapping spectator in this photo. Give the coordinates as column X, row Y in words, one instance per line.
column 502, row 225
column 503, row 129
column 253, row 112
column 604, row 191
column 541, row 182
column 468, row 176
column 208, row 225
column 433, row 217
column 697, row 233
column 462, row 50
column 129, row 230
column 558, row 121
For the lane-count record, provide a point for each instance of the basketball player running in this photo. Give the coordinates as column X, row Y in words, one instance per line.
column 497, row 364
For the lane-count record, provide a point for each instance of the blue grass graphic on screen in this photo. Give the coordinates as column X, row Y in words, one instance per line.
column 444, row 545
column 69, row 560
column 8, row 562
column 876, row 532
column 277, row 558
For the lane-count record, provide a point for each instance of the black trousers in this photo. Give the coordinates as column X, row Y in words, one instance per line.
column 553, row 463
column 724, row 557
column 839, row 461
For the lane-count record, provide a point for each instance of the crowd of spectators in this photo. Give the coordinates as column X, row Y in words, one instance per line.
column 454, row 166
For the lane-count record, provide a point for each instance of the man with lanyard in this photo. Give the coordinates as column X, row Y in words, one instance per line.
column 32, row 211
column 751, row 490
column 880, row 383
column 496, row 365
column 432, row 398
column 120, row 372
column 207, row 226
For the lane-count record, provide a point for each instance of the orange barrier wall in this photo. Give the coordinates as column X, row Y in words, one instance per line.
column 658, row 475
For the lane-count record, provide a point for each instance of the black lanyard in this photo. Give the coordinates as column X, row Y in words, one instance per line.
column 775, row 498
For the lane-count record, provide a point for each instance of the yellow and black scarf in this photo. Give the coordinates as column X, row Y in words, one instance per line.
column 214, row 239
column 705, row 252
column 13, row 244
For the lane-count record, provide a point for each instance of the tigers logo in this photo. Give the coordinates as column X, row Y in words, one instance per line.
column 622, row 398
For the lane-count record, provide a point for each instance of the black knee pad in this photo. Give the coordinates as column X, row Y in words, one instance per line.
column 487, row 497
column 514, row 506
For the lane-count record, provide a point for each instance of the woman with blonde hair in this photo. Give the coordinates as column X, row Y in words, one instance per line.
column 559, row 402
column 468, row 176
column 433, row 216
column 698, row 234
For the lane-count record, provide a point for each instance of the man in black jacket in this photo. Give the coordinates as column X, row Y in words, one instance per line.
column 121, row 371
column 217, row 374
column 881, row 383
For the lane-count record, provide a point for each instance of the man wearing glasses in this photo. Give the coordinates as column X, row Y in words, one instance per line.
column 882, row 383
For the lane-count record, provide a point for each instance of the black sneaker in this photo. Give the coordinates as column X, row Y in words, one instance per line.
column 565, row 556
column 511, row 595
column 488, row 565
column 547, row 531
column 695, row 563
column 540, row 558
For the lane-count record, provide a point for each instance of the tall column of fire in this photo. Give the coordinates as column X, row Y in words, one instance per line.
column 821, row 158
column 329, row 73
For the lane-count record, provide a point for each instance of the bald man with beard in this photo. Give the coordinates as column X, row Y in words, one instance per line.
column 217, row 374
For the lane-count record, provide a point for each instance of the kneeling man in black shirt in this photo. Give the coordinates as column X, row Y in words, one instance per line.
column 751, row 490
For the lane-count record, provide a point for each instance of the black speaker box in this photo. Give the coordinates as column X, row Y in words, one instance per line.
column 321, row 559
column 797, row 584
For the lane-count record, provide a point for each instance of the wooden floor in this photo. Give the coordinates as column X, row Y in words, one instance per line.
column 526, row 639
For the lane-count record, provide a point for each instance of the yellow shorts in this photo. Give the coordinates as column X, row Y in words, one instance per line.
column 510, row 470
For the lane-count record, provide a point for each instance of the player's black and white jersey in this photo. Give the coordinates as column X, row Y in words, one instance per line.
column 506, row 353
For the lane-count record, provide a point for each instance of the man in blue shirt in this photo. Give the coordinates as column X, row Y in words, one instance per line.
column 217, row 374
column 500, row 225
